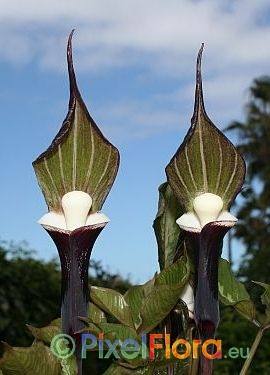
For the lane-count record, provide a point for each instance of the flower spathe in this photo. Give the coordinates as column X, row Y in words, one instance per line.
column 206, row 173
column 75, row 175
column 207, row 225
column 207, row 208
column 74, row 231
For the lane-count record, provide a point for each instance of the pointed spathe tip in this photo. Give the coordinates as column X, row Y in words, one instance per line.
column 199, row 66
column 71, row 35
column 69, row 46
column 199, row 103
column 71, row 72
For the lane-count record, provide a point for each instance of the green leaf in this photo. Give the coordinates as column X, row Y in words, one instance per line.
column 206, row 161
column 153, row 369
column 45, row 334
column 149, row 286
column 166, row 230
column 134, row 297
column 233, row 293
column 157, row 305
column 121, row 333
column 69, row 366
column 91, row 328
column 79, row 158
column 265, row 298
column 177, row 273
column 35, row 360
column 180, row 366
column 113, row 303
column 96, row 314
column 116, row 369
column 118, row 332
column 56, row 323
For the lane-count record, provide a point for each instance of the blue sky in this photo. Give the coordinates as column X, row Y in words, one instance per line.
column 135, row 65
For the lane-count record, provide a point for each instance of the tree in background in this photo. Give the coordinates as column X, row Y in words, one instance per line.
column 30, row 294
column 253, row 228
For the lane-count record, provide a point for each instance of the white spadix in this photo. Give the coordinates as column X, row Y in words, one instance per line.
column 207, row 207
column 76, row 206
column 188, row 297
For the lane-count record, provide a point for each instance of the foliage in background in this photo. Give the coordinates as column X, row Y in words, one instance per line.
column 253, row 212
column 30, row 294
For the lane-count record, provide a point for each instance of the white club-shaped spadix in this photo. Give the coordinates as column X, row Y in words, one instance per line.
column 207, row 207
column 76, row 206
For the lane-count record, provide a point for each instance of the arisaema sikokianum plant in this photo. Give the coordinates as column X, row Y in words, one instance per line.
column 204, row 177
column 75, row 174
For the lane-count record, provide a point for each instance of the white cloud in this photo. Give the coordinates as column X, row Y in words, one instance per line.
column 161, row 37
column 119, row 32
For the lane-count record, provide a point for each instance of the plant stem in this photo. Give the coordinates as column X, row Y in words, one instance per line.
column 252, row 351
column 74, row 250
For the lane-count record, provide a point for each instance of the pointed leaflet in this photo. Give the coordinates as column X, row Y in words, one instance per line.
column 233, row 293
column 120, row 333
column 166, row 230
column 157, row 305
column 206, row 161
column 134, row 297
column 80, row 157
column 176, row 273
column 113, row 303
column 265, row 298
column 96, row 315
column 35, row 360
column 164, row 295
column 45, row 334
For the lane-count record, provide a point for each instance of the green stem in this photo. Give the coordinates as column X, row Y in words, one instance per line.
column 252, row 351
